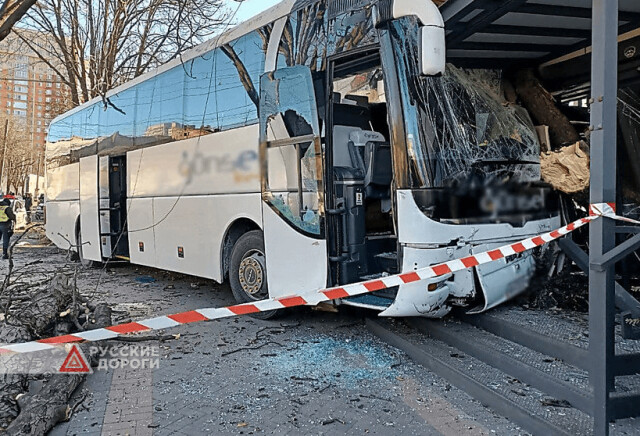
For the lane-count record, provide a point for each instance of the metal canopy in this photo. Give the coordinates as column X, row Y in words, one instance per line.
column 510, row 33
column 507, row 33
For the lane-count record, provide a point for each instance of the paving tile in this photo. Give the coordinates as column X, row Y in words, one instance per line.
column 118, row 426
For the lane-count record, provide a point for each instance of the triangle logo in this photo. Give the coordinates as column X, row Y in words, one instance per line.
column 75, row 363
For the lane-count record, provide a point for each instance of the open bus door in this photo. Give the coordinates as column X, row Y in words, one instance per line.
column 114, row 240
column 292, row 183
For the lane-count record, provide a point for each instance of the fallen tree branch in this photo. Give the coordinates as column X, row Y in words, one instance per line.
column 41, row 412
column 41, row 309
column 160, row 338
column 250, row 348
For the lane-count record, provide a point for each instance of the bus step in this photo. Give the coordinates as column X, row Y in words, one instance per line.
column 369, row 301
column 388, row 262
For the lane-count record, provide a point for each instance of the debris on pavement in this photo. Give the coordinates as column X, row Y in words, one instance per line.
column 145, row 279
column 567, row 291
column 38, row 302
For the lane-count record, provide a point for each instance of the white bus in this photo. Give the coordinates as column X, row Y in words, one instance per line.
column 318, row 144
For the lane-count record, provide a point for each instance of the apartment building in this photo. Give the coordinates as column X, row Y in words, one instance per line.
column 30, row 91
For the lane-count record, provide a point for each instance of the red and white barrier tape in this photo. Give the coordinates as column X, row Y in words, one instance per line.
column 608, row 210
column 163, row 322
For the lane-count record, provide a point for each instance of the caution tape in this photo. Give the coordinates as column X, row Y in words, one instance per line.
column 314, row 298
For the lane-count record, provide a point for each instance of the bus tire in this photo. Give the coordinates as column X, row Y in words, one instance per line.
column 248, row 272
column 84, row 262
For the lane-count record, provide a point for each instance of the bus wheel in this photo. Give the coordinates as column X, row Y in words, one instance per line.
column 84, row 262
column 248, row 271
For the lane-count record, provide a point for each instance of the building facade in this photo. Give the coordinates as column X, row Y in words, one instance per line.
column 30, row 92
column 31, row 95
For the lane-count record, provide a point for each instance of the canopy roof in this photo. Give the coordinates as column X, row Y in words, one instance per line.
column 505, row 33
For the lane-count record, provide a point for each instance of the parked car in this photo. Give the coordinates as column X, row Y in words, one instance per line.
column 21, row 214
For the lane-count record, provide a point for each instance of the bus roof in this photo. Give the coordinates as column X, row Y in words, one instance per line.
column 272, row 14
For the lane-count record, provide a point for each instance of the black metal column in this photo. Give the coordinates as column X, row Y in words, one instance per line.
column 604, row 91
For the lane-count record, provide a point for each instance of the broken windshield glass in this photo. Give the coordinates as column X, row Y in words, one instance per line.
column 459, row 126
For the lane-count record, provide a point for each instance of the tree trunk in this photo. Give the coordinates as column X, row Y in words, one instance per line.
column 42, row 314
column 41, row 412
column 11, row 12
column 542, row 107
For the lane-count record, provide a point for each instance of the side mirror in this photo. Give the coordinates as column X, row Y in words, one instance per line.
column 433, row 54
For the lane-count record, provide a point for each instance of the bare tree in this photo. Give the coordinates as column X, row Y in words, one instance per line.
column 300, row 45
column 95, row 45
column 21, row 155
column 11, row 12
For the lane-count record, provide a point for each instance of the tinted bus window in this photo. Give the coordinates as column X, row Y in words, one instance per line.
column 238, row 69
column 60, row 129
column 200, row 105
column 160, row 102
column 92, row 122
column 119, row 117
column 213, row 92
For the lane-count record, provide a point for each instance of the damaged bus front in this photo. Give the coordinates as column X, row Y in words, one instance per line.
column 466, row 172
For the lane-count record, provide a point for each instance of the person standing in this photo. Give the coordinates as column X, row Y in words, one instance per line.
column 7, row 219
column 28, row 204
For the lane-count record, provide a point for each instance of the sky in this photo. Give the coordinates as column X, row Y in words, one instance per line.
column 249, row 8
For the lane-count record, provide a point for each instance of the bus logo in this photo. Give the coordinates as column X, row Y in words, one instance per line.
column 199, row 164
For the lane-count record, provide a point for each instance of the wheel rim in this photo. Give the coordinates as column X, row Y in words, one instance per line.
column 252, row 275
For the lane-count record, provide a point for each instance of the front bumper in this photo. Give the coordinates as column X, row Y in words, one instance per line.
column 425, row 242
column 476, row 289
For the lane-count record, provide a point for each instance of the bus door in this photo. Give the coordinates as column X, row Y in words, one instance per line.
column 292, row 183
column 89, row 235
column 113, row 207
column 361, row 231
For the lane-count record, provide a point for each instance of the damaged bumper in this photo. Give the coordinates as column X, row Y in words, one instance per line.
column 426, row 242
column 477, row 289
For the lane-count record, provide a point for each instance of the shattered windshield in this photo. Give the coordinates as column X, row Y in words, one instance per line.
column 459, row 126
